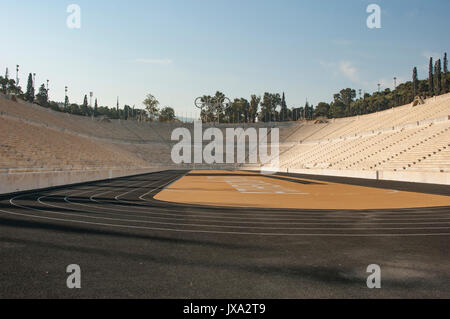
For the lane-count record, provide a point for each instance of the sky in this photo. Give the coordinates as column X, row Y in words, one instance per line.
column 178, row 50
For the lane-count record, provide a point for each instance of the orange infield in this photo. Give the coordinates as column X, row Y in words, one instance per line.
column 247, row 189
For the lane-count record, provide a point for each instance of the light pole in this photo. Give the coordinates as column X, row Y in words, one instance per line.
column 17, row 76
column 34, row 81
column 47, row 91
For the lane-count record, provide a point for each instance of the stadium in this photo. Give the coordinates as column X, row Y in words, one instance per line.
column 371, row 187
column 350, row 188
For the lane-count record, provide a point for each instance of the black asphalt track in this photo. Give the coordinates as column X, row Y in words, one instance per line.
column 129, row 245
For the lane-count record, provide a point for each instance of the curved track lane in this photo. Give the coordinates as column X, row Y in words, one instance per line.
column 254, row 252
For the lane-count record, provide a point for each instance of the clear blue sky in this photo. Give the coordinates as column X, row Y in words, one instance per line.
column 178, row 50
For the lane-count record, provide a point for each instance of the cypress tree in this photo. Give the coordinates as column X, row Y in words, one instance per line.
column 29, row 95
column 284, row 113
column 85, row 106
column 415, row 82
column 66, row 103
column 96, row 108
column 431, row 78
column 444, row 75
column 42, row 96
column 437, row 77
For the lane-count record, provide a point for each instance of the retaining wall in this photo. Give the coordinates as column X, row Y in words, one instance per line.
column 412, row 177
column 17, row 182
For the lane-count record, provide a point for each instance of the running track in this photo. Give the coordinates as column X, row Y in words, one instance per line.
column 129, row 245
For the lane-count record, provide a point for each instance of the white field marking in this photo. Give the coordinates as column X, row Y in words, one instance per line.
column 246, row 185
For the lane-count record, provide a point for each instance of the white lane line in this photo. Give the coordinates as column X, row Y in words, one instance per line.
column 361, row 214
column 159, row 187
column 231, row 227
column 221, row 226
column 253, row 217
column 273, row 220
column 224, row 232
column 241, row 222
column 177, row 230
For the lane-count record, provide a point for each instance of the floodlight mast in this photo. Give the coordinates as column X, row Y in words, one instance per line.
column 65, row 97
column 17, row 75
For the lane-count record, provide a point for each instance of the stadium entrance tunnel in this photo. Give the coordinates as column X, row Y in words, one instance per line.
column 253, row 190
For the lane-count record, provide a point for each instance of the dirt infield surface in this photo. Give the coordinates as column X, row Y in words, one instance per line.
column 248, row 189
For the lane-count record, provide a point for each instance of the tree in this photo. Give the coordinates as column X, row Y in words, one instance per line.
column 269, row 107
column 437, row 77
column 167, row 114
column 343, row 100
column 253, row 108
column 309, row 111
column 3, row 83
column 217, row 106
column 322, row 109
column 245, row 110
column 207, row 113
column 415, row 82
column 96, row 108
column 126, row 112
column 284, row 114
column 29, row 95
column 151, row 105
column 238, row 111
column 84, row 107
column 12, row 87
column 66, row 104
column 444, row 75
column 431, row 78
column 42, row 96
